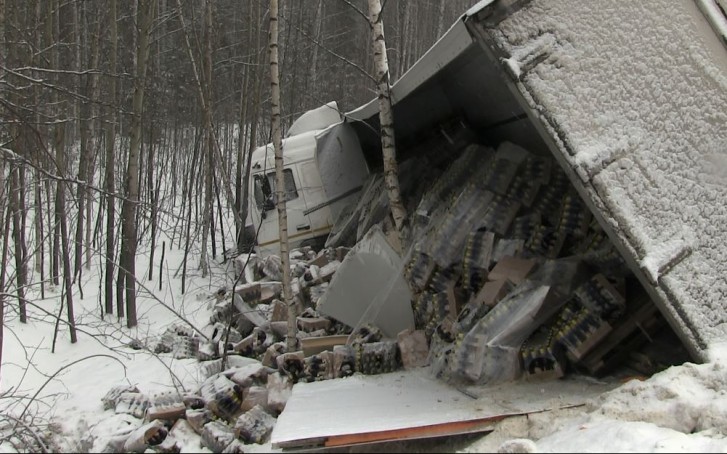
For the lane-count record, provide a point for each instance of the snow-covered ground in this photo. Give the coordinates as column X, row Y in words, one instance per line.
column 683, row 408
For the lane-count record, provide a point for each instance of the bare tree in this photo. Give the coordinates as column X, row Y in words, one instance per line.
column 280, row 193
column 20, row 270
column 109, row 167
column 4, row 218
column 62, row 223
column 127, row 262
column 386, row 120
column 249, row 119
column 86, row 132
column 209, row 135
column 5, row 225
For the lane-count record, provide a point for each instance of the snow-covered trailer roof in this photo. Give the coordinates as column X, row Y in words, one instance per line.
column 631, row 99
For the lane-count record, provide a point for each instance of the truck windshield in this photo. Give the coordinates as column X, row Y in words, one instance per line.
column 264, row 190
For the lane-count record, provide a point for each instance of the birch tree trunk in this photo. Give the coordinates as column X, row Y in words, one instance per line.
column 386, row 119
column 292, row 341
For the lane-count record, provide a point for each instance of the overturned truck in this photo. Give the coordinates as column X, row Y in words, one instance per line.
column 564, row 167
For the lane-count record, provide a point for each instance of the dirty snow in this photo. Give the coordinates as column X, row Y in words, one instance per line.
column 680, row 409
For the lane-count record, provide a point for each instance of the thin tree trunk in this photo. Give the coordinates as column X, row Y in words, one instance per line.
column 67, row 271
column 51, row 32
column 161, row 264
column 175, row 165
column 6, row 232
column 209, row 144
column 59, row 138
column 20, row 275
column 23, row 212
column 39, row 227
column 61, row 222
column 242, row 128
column 219, row 215
column 145, row 11
column 38, row 190
column 254, row 119
column 95, row 94
column 109, row 169
column 189, row 220
column 292, row 341
column 81, row 107
column 4, row 217
column 386, row 119
column 152, row 196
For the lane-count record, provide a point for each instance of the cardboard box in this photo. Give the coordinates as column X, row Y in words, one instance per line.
column 513, row 268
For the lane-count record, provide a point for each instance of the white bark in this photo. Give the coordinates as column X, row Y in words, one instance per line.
column 386, row 118
column 292, row 340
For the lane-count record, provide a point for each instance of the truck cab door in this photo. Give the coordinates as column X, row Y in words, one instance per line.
column 317, row 209
column 264, row 193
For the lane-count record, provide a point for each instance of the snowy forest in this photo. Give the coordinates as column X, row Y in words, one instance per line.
column 125, row 122
column 121, row 119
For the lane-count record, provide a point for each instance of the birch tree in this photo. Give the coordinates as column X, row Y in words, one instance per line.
column 292, row 341
column 386, row 119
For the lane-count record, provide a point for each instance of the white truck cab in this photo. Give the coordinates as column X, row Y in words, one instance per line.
column 324, row 170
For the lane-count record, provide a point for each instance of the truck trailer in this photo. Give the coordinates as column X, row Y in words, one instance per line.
column 628, row 98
